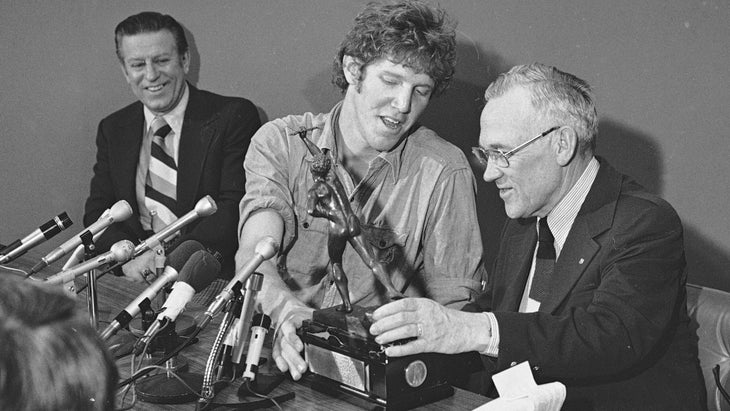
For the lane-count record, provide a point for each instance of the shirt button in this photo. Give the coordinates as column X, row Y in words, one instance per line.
column 305, row 224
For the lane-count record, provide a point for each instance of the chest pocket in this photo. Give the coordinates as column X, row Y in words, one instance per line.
column 306, row 222
column 387, row 244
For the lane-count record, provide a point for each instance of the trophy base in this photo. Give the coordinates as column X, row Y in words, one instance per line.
column 343, row 356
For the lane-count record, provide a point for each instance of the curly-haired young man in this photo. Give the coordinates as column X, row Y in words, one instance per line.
column 413, row 192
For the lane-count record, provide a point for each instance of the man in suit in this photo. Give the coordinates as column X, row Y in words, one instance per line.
column 206, row 138
column 598, row 303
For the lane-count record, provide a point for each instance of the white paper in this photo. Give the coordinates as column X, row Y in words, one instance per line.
column 515, row 382
column 518, row 391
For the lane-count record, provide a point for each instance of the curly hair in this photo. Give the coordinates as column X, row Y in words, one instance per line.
column 411, row 33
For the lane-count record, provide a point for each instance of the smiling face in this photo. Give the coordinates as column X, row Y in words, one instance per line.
column 382, row 103
column 531, row 185
column 154, row 69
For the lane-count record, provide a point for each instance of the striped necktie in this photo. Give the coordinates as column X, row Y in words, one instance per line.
column 161, row 183
column 544, row 263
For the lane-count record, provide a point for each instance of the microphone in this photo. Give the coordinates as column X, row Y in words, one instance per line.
column 203, row 208
column 175, row 262
column 120, row 211
column 259, row 327
column 197, row 273
column 265, row 249
column 119, row 252
column 39, row 235
column 240, row 331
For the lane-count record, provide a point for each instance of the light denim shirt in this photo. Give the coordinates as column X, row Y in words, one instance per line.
column 416, row 206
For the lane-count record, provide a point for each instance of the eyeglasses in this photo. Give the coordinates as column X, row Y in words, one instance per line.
column 501, row 159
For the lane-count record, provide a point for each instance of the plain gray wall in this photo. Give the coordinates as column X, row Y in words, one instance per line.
column 660, row 69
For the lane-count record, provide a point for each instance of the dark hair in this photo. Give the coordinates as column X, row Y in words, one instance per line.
column 410, row 33
column 150, row 22
column 50, row 357
column 556, row 95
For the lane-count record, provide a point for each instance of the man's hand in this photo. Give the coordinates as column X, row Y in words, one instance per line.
column 436, row 328
column 138, row 270
column 288, row 345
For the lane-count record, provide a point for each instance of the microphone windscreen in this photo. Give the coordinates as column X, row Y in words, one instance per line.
column 65, row 220
column 182, row 253
column 201, row 270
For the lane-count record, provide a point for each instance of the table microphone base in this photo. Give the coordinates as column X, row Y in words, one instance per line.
column 161, row 389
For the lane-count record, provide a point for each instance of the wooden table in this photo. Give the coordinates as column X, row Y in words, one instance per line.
column 114, row 294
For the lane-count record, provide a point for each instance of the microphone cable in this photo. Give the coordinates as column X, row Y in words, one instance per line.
column 264, row 402
column 189, row 340
column 15, row 271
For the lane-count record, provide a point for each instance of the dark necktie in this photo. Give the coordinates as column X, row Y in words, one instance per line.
column 161, row 183
column 544, row 263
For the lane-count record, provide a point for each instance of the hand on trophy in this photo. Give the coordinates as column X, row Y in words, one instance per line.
column 434, row 327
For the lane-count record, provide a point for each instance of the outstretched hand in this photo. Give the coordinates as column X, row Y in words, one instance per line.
column 288, row 346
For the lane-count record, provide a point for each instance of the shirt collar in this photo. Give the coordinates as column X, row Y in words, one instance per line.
column 561, row 218
column 327, row 139
column 394, row 157
column 175, row 117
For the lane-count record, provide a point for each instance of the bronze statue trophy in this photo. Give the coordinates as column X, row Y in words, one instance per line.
column 341, row 353
column 330, row 201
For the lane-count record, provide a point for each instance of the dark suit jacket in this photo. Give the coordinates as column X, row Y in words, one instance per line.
column 215, row 135
column 614, row 328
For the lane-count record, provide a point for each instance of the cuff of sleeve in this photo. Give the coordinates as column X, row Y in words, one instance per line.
column 250, row 207
column 492, row 349
column 453, row 292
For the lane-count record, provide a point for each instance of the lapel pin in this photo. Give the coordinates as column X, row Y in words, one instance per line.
column 581, row 261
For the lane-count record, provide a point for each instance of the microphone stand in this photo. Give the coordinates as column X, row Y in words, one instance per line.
column 207, row 389
column 225, row 369
column 166, row 388
column 167, row 338
column 87, row 239
column 218, row 357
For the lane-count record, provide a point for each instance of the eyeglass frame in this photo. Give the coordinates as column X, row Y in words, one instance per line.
column 482, row 154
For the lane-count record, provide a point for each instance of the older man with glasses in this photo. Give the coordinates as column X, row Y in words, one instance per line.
column 588, row 284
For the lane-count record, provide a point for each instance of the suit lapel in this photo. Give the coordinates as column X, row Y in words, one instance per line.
column 595, row 217
column 520, row 247
column 127, row 144
column 578, row 251
column 198, row 131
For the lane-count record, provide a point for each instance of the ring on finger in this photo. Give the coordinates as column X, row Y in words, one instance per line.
column 419, row 327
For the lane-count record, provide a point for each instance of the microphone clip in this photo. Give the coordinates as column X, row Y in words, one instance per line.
column 87, row 239
column 163, row 340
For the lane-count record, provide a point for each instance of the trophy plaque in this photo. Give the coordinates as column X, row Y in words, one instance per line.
column 344, row 357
